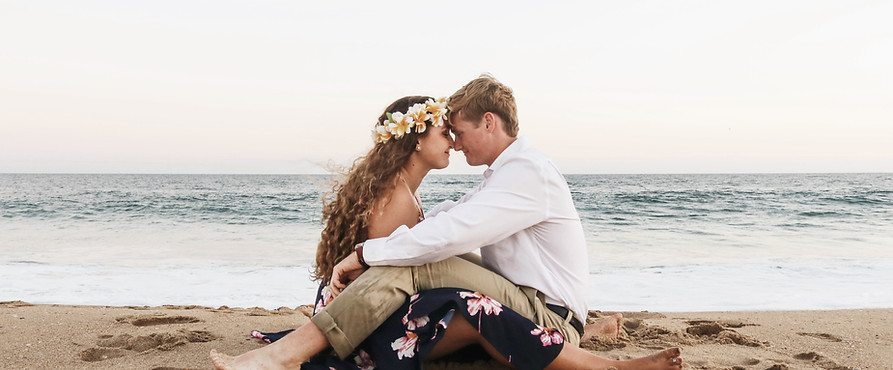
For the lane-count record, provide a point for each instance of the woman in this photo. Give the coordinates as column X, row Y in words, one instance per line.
column 380, row 194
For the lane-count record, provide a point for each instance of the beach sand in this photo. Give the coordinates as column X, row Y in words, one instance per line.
column 179, row 337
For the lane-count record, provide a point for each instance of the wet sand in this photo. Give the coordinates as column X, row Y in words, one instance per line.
column 179, row 337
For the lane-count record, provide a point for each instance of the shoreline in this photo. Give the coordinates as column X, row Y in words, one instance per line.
column 179, row 337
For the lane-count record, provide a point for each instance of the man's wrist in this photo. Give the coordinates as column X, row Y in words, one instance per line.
column 359, row 250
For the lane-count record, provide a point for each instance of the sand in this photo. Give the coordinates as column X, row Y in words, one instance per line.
column 179, row 337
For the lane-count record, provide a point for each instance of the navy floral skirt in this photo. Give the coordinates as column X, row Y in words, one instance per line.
column 408, row 335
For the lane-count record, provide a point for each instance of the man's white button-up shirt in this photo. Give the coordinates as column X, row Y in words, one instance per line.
column 522, row 219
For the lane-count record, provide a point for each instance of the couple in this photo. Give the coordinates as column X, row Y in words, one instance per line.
column 426, row 295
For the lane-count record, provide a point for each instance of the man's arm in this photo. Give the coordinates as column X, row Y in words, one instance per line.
column 513, row 199
column 442, row 207
column 449, row 204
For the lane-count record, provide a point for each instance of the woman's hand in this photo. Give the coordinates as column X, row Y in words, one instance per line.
column 344, row 273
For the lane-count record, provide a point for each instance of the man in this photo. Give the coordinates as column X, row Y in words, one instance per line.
column 521, row 217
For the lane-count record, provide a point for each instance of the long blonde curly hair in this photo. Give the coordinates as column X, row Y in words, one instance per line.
column 347, row 216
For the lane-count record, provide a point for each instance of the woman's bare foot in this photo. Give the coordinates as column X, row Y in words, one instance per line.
column 247, row 360
column 606, row 327
column 221, row 361
column 667, row 359
column 286, row 353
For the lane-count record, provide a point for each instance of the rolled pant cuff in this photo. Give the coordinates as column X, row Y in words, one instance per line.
column 337, row 339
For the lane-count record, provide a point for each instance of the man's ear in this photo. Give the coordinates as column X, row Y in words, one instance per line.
column 489, row 121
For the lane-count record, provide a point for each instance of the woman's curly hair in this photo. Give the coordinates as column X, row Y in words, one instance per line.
column 347, row 216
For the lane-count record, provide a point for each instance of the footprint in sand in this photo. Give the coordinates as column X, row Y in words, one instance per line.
column 162, row 341
column 99, row 354
column 641, row 334
column 778, row 367
column 150, row 320
column 111, row 346
column 820, row 361
column 603, row 344
column 828, row 337
column 714, row 331
column 723, row 323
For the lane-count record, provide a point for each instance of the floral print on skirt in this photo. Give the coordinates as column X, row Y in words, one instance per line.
column 408, row 335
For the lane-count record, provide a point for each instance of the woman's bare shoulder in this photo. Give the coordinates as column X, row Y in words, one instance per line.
column 398, row 209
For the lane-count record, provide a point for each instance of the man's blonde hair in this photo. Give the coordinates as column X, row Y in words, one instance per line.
column 486, row 94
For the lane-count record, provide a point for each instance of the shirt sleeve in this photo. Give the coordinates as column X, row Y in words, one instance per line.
column 442, row 207
column 449, row 204
column 512, row 199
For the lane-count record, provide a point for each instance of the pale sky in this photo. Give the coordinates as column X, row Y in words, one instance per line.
column 602, row 86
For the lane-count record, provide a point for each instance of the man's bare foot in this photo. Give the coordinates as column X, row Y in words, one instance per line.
column 606, row 327
column 664, row 360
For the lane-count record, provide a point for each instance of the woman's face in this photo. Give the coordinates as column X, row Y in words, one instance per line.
column 435, row 147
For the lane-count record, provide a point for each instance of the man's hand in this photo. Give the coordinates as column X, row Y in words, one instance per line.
column 344, row 273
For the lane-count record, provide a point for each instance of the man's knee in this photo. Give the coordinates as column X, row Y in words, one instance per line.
column 386, row 276
column 377, row 272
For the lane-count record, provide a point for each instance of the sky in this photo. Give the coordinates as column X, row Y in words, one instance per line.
column 283, row 87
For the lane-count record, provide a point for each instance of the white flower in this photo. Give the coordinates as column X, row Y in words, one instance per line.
column 477, row 301
column 418, row 322
column 419, row 116
column 381, row 133
column 400, row 124
column 405, row 346
column 324, row 301
column 548, row 336
column 364, row 360
column 437, row 110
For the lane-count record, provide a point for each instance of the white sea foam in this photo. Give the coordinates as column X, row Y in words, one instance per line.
column 750, row 285
column 213, row 285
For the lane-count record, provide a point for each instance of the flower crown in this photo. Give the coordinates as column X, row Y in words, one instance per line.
column 417, row 117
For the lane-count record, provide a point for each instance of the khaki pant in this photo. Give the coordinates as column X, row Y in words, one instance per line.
column 378, row 292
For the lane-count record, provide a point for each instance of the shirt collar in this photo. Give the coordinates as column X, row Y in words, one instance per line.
column 518, row 145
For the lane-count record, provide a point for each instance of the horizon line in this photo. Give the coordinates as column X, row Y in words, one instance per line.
column 442, row 174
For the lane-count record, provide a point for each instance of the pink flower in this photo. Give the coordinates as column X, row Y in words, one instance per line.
column 477, row 301
column 548, row 336
column 418, row 322
column 364, row 361
column 405, row 346
column 326, row 298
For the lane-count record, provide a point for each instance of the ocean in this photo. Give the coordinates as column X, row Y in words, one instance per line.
column 656, row 242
